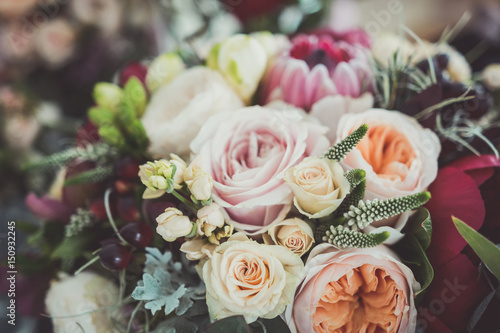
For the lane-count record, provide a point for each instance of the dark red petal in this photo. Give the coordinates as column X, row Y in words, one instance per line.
column 455, row 292
column 453, row 193
column 480, row 168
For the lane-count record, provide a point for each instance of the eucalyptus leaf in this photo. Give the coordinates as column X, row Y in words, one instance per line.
column 488, row 252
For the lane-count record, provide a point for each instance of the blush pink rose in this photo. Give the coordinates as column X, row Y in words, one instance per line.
column 247, row 152
column 360, row 290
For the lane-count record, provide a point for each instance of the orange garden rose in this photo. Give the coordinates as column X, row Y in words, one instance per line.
column 360, row 290
column 399, row 156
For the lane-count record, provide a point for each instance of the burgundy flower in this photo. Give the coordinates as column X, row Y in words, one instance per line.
column 317, row 66
column 455, row 291
column 133, row 69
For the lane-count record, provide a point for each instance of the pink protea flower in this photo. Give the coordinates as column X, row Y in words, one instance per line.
column 317, row 66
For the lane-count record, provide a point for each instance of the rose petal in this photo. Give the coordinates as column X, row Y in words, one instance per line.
column 49, row 209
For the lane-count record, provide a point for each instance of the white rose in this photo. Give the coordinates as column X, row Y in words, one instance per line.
column 172, row 224
column 246, row 278
column 319, row 186
column 179, row 109
column 293, row 234
column 242, row 60
column 72, row 302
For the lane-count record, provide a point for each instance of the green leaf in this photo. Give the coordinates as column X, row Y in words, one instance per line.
column 484, row 248
column 420, row 225
column 135, row 93
column 411, row 249
column 73, row 247
column 234, row 324
column 26, row 227
column 275, row 325
column 101, row 116
column 91, row 176
column 126, row 113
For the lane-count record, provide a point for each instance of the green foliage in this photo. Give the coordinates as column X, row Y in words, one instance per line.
column 237, row 324
column 360, row 216
column 411, row 249
column 73, row 247
column 163, row 285
column 158, row 292
column 484, row 248
column 118, row 116
column 356, row 178
column 91, row 176
column 341, row 149
column 343, row 237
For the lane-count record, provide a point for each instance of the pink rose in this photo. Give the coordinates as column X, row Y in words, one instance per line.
column 247, row 152
column 361, row 290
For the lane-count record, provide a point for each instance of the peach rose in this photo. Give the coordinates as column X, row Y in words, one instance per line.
column 293, row 234
column 246, row 278
column 361, row 290
column 399, row 156
column 318, row 185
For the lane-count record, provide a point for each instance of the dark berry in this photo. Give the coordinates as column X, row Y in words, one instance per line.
column 137, row 233
column 115, row 257
column 98, row 209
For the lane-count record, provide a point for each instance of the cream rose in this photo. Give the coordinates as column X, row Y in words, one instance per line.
column 360, row 290
column 319, row 186
column 491, row 76
column 293, row 234
column 73, row 301
column 399, row 156
column 172, row 224
column 246, row 278
column 177, row 110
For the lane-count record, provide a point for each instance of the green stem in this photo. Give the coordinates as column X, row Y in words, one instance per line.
column 132, row 316
column 185, row 201
column 110, row 216
column 90, row 262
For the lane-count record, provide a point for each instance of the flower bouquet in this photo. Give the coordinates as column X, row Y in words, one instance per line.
column 277, row 184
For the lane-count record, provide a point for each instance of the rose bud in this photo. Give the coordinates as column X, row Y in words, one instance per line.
column 198, row 181
column 172, row 224
column 163, row 69
column 294, row 234
column 210, row 218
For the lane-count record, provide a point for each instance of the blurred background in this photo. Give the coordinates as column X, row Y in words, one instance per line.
column 52, row 52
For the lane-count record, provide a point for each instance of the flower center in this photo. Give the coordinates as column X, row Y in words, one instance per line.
column 388, row 151
column 318, row 50
column 366, row 299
